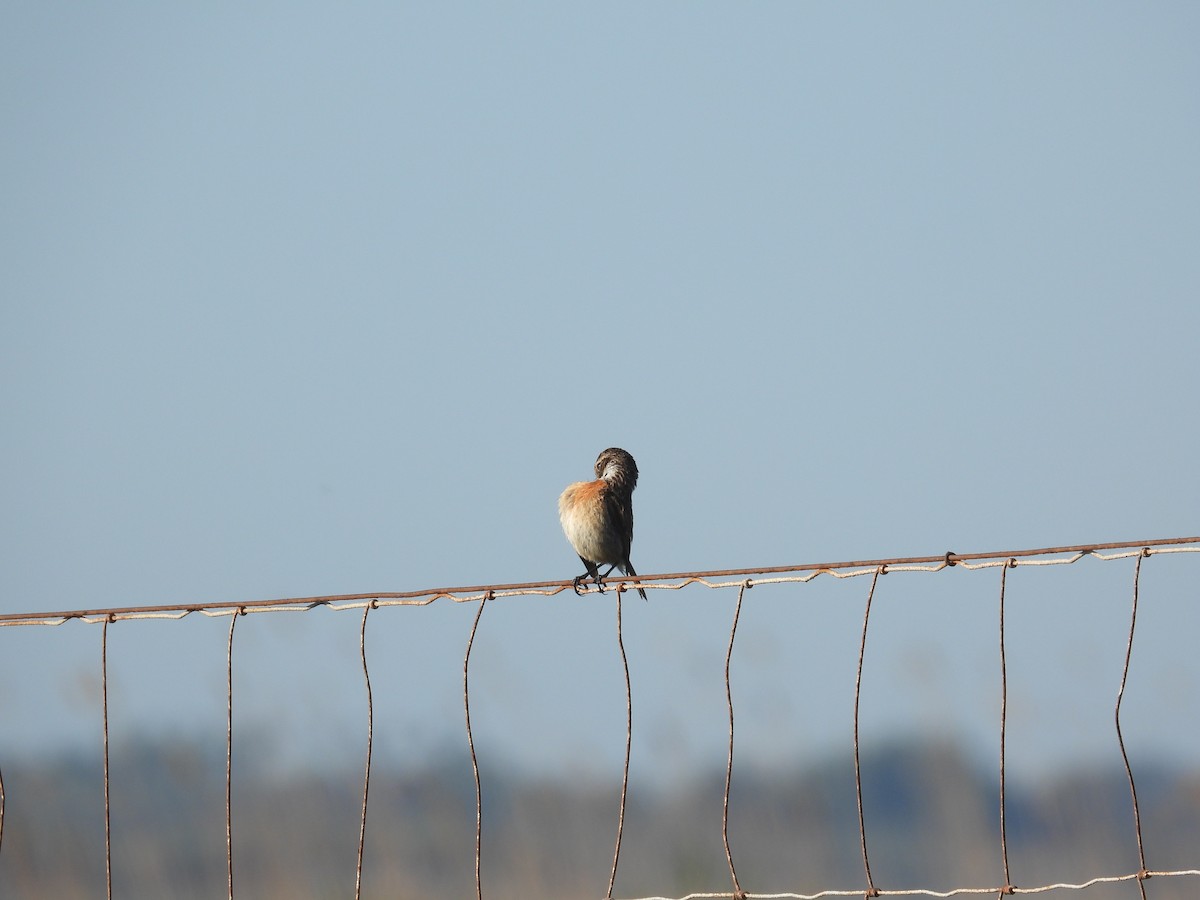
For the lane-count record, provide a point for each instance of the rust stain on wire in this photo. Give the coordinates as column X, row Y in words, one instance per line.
column 1137, row 815
column 612, row 878
column 471, row 746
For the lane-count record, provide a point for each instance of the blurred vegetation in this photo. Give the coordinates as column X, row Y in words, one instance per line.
column 932, row 821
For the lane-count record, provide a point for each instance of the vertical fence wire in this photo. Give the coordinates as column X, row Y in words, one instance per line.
column 1008, row 885
column 362, row 825
column 471, row 747
column 1137, row 816
column 104, row 715
column 229, row 751
column 738, row 893
column 871, row 890
column 612, row 878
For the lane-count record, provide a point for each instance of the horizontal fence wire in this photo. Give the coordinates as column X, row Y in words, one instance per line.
column 802, row 573
column 744, row 580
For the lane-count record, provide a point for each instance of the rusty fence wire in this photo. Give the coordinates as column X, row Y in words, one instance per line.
column 742, row 581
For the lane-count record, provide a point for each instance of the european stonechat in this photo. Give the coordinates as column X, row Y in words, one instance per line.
column 597, row 516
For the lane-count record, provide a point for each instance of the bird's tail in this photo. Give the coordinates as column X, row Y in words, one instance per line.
column 629, row 571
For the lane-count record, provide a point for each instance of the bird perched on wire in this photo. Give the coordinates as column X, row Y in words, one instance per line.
column 597, row 516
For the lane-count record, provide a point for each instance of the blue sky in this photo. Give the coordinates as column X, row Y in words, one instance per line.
column 306, row 299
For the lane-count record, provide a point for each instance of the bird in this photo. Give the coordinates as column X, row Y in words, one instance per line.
column 597, row 517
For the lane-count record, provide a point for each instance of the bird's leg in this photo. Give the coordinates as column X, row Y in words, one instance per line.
column 598, row 576
column 592, row 571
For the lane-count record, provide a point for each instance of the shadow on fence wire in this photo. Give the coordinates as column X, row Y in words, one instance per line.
column 742, row 580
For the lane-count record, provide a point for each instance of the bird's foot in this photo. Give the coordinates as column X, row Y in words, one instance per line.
column 577, row 584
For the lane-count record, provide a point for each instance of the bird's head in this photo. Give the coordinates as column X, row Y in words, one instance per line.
column 616, row 466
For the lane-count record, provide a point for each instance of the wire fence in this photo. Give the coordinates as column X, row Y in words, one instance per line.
column 740, row 579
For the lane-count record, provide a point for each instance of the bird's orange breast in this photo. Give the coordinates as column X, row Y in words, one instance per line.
column 584, row 517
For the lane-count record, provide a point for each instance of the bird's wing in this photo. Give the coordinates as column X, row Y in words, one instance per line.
column 620, row 513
